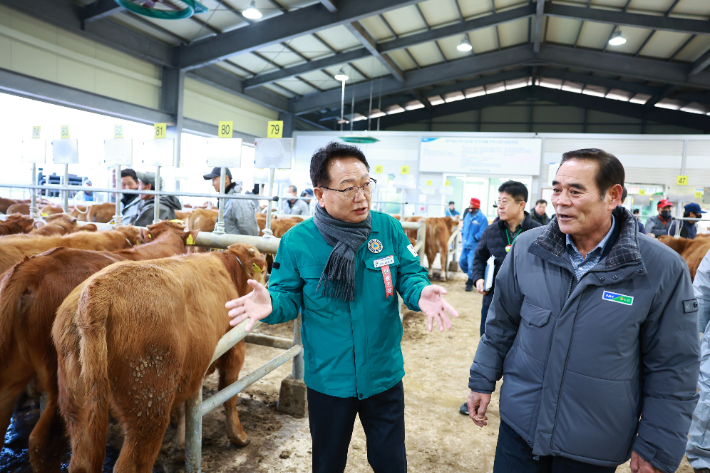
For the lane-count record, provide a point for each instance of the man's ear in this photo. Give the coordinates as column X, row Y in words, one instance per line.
column 614, row 193
column 318, row 192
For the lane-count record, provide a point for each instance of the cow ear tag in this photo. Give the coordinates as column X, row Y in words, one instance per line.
column 256, row 268
column 190, row 240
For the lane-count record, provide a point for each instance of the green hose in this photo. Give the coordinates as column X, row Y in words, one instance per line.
column 192, row 8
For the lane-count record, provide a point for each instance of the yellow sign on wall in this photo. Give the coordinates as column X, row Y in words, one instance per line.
column 682, row 180
column 35, row 132
column 404, row 170
column 642, row 191
column 160, row 130
column 224, row 129
column 379, row 169
column 447, row 183
column 64, row 132
column 117, row 131
column 275, row 130
column 428, row 182
column 698, row 194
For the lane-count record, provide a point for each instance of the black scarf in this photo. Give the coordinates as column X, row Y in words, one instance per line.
column 338, row 278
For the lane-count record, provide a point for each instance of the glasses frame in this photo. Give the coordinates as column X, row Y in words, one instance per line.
column 495, row 204
column 359, row 188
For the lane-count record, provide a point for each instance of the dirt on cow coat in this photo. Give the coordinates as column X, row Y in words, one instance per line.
column 438, row 438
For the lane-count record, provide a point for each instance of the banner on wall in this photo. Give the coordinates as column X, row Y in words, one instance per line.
column 481, row 155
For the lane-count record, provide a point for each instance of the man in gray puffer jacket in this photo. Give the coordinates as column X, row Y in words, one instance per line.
column 141, row 212
column 594, row 329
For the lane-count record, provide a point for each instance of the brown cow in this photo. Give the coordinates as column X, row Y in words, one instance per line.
column 201, row 220
column 30, row 294
column 692, row 251
column 101, row 213
column 14, row 247
column 5, row 203
column 19, row 208
column 136, row 339
column 51, row 209
column 16, row 223
column 183, row 214
column 438, row 232
column 81, row 212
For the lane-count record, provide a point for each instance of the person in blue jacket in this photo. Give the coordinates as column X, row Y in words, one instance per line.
column 451, row 210
column 474, row 222
column 342, row 271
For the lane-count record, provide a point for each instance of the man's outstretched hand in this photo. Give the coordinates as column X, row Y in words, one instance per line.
column 435, row 307
column 254, row 306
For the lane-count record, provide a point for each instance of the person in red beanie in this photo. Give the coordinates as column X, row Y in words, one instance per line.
column 660, row 224
column 474, row 222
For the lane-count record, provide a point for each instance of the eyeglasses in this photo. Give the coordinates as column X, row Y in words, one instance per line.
column 505, row 202
column 349, row 193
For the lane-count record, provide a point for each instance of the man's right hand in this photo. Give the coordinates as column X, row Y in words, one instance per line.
column 477, row 407
column 480, row 286
column 254, row 306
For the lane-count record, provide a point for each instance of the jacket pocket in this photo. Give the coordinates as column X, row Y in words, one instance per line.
column 520, row 393
column 596, row 418
column 316, row 304
column 373, row 276
column 534, row 331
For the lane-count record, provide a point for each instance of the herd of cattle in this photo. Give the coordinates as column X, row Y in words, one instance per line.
column 124, row 323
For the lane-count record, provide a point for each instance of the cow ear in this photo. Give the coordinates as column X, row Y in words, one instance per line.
column 190, row 237
column 73, row 220
column 39, row 224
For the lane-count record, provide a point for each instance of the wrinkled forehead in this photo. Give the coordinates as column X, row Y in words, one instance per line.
column 347, row 170
column 576, row 173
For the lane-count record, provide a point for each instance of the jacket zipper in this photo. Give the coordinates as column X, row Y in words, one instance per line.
column 564, row 368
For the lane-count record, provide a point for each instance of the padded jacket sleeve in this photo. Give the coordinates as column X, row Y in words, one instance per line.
column 240, row 218
column 501, row 328
column 285, row 286
column 670, row 350
column 480, row 258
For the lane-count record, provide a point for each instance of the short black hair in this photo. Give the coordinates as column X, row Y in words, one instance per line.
column 452, row 202
column 610, row 173
column 333, row 150
column 516, row 189
column 624, row 195
column 293, row 189
column 635, row 211
column 128, row 172
column 541, row 201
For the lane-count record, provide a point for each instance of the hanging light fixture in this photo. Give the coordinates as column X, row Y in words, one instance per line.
column 341, row 75
column 465, row 44
column 252, row 13
column 617, row 39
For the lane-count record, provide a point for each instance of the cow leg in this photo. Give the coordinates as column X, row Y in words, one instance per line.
column 230, row 364
column 442, row 259
column 180, row 434
column 71, row 406
column 11, row 387
column 47, row 441
column 142, row 443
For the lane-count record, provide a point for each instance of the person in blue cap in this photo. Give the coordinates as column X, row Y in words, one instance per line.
column 689, row 229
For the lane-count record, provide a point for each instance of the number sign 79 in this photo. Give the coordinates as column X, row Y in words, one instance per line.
column 275, row 129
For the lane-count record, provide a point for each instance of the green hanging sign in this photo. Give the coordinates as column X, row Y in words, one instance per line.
column 192, row 8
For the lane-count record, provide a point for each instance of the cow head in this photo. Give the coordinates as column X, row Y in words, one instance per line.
column 131, row 233
column 22, row 222
column 244, row 262
column 166, row 227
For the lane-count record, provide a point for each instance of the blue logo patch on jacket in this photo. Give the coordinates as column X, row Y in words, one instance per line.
column 620, row 298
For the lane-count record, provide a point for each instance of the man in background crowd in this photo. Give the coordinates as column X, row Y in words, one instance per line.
column 129, row 180
column 294, row 206
column 239, row 214
column 497, row 240
column 637, row 216
column 688, row 229
column 141, row 211
column 660, row 224
column 538, row 214
column 474, row 223
column 451, row 210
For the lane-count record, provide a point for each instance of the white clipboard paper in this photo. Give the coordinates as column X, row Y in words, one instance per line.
column 490, row 271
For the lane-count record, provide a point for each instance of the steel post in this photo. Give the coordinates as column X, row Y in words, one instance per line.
column 421, row 238
column 219, row 226
column 231, row 338
column 193, row 433
column 34, row 211
column 268, row 341
column 118, row 218
column 66, row 193
column 156, row 207
column 267, row 230
column 298, row 365
column 211, row 240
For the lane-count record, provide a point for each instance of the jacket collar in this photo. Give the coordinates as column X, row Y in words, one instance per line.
column 526, row 224
column 625, row 250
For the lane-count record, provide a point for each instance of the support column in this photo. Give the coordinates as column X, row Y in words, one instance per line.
column 288, row 119
column 171, row 101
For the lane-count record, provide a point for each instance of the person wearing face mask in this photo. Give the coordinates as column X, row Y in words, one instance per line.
column 688, row 229
column 637, row 216
column 660, row 224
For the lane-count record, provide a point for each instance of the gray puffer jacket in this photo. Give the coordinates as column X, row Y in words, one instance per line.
column 595, row 369
column 240, row 214
column 141, row 213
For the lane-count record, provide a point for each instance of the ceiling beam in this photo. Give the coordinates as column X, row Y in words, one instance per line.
column 225, row 80
column 452, row 70
column 329, row 5
column 622, row 65
column 600, row 81
column 101, row 9
column 637, row 20
column 315, row 65
column 361, row 34
column 67, row 16
column 280, row 28
column 701, row 63
column 539, row 19
column 456, row 29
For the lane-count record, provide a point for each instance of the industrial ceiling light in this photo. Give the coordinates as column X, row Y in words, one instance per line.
column 341, row 75
column 465, row 44
column 617, row 39
column 252, row 13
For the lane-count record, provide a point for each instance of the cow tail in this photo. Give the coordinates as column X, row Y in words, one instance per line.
column 92, row 314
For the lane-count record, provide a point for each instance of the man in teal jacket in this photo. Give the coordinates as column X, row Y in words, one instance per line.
column 340, row 270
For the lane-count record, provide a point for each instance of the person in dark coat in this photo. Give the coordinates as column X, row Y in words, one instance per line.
column 538, row 213
column 689, row 229
column 594, row 330
column 637, row 216
column 497, row 240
